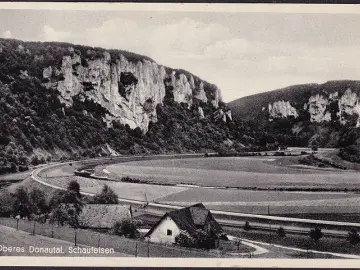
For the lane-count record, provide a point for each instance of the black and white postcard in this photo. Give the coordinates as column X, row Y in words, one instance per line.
column 217, row 134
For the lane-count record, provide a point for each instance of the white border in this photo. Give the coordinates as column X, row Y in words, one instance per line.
column 182, row 262
column 174, row 262
column 191, row 7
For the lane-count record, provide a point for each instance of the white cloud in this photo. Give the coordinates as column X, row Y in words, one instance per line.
column 6, row 34
column 211, row 51
column 50, row 34
column 187, row 36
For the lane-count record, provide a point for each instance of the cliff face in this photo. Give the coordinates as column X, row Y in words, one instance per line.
column 322, row 108
column 129, row 91
column 281, row 109
column 61, row 100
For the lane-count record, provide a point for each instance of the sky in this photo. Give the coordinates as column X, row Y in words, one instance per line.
column 244, row 53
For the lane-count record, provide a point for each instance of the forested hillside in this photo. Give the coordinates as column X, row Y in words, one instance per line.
column 40, row 121
column 325, row 115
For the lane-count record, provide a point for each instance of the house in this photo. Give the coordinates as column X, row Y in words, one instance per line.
column 188, row 221
column 103, row 216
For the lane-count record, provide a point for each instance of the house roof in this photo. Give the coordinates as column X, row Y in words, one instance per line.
column 103, row 215
column 190, row 218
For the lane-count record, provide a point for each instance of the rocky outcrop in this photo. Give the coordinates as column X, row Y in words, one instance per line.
column 182, row 89
column 201, row 113
column 281, row 109
column 200, row 94
column 317, row 109
column 228, row 115
column 348, row 106
column 323, row 108
column 223, row 115
column 216, row 97
column 129, row 91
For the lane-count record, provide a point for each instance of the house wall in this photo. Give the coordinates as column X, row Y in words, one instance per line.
column 159, row 234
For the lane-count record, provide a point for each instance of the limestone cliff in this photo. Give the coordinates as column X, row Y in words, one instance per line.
column 317, row 109
column 322, row 108
column 128, row 90
column 281, row 109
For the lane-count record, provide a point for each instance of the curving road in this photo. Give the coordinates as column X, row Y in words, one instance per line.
column 233, row 219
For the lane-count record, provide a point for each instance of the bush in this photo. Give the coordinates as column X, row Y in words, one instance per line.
column 281, row 232
column 74, row 186
column 316, row 234
column 247, row 226
column 130, row 180
column 353, row 237
column 126, row 228
column 106, row 196
column 184, row 240
column 202, row 240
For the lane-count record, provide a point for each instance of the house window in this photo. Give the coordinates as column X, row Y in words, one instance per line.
column 169, row 232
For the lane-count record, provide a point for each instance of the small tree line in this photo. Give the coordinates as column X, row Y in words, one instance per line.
column 63, row 207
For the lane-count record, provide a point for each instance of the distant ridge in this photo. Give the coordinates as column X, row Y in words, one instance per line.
column 254, row 107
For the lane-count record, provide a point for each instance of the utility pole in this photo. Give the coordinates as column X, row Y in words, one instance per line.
column 34, row 227
column 148, row 249
column 52, row 230
column 75, row 236
column 136, row 249
column 17, row 222
column 269, row 222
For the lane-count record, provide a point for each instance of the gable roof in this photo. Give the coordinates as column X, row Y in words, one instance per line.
column 103, row 215
column 190, row 218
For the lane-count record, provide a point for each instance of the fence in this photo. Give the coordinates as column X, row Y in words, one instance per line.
column 136, row 248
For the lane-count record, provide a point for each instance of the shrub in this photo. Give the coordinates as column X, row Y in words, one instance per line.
column 184, row 240
column 247, row 226
column 106, row 196
column 126, row 228
column 353, row 237
column 74, row 186
column 281, row 232
column 316, row 234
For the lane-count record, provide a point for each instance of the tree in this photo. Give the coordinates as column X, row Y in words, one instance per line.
column 21, row 205
column 74, row 186
column 316, row 234
column 59, row 215
column 353, row 237
column 281, row 232
column 126, row 228
column 106, row 196
column 67, row 205
column 38, row 203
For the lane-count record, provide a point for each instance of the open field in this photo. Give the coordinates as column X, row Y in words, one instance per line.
column 123, row 190
column 233, row 195
column 229, row 172
column 245, row 172
column 257, row 202
column 8, row 179
column 236, row 172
